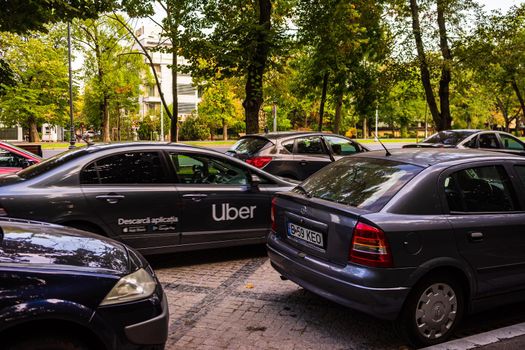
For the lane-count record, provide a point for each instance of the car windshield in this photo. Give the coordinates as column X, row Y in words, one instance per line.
column 449, row 137
column 360, row 182
column 50, row 163
column 249, row 145
column 21, row 150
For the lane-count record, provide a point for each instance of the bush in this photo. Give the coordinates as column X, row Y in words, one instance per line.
column 194, row 129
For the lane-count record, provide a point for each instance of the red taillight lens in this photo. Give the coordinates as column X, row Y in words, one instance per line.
column 370, row 247
column 259, row 162
column 272, row 214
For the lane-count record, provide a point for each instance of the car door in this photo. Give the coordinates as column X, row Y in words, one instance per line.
column 489, row 223
column 218, row 202
column 310, row 155
column 135, row 197
column 341, row 147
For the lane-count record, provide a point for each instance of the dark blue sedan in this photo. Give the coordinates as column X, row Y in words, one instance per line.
column 61, row 288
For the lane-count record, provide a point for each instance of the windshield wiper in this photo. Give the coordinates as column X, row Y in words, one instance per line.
column 305, row 192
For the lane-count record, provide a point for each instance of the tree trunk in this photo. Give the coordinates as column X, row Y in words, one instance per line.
column 446, row 76
column 338, row 109
column 224, row 130
column 522, row 104
column 365, row 128
column 323, row 100
column 106, row 137
column 33, row 130
column 254, row 82
column 423, row 65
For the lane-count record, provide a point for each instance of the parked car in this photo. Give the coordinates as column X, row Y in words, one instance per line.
column 420, row 237
column 156, row 197
column 13, row 158
column 487, row 140
column 67, row 289
column 294, row 155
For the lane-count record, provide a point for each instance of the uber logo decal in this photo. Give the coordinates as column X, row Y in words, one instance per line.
column 232, row 213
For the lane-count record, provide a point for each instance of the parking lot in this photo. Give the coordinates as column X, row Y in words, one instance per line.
column 233, row 299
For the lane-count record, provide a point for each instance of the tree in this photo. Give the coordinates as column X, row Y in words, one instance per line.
column 112, row 76
column 39, row 67
column 220, row 108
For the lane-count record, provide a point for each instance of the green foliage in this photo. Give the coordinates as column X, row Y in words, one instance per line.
column 194, row 128
column 39, row 68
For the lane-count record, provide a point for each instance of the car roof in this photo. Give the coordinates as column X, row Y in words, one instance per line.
column 104, row 146
column 283, row 134
column 426, row 157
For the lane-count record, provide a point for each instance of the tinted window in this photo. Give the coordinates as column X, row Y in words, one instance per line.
column 249, row 145
column 510, row 142
column 520, row 169
column 480, row 189
column 288, row 146
column 449, row 137
column 488, row 141
column 51, row 163
column 310, row 145
column 360, row 182
column 198, row 169
column 125, row 168
column 11, row 160
column 340, row 146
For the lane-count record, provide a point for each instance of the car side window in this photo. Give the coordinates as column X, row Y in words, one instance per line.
column 512, row 143
column 201, row 169
column 310, row 145
column 340, row 146
column 489, row 140
column 10, row 160
column 125, row 168
column 472, row 143
column 288, row 146
column 480, row 189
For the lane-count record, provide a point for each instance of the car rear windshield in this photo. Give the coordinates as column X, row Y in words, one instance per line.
column 449, row 137
column 50, row 163
column 249, row 145
column 360, row 182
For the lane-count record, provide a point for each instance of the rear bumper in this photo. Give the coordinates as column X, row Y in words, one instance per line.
column 335, row 283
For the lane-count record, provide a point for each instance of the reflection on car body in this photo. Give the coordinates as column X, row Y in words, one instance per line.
column 420, row 236
column 67, row 289
column 155, row 197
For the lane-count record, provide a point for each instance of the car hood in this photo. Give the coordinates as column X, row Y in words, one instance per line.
column 39, row 245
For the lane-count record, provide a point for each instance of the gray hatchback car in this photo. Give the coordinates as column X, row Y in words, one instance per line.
column 420, row 236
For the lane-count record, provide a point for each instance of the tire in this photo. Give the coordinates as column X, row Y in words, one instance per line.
column 432, row 311
column 49, row 342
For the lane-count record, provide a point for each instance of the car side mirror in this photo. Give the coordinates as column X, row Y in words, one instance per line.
column 255, row 181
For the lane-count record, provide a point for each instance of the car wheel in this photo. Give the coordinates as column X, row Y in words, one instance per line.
column 432, row 311
column 49, row 342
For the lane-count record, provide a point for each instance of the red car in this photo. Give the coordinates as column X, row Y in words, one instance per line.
column 13, row 158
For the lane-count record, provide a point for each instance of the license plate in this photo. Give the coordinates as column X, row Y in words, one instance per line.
column 305, row 234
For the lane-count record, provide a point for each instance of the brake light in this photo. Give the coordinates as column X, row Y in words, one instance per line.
column 370, row 247
column 259, row 162
column 272, row 214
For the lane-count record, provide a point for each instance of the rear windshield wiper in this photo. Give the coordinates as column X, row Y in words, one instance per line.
column 305, row 192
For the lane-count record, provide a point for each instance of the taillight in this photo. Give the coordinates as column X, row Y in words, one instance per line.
column 272, row 214
column 370, row 247
column 259, row 162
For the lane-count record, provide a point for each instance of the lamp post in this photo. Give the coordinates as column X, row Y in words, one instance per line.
column 71, row 127
column 274, row 112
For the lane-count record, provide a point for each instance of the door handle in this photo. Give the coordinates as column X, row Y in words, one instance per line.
column 303, row 162
column 111, row 198
column 475, row 236
column 196, row 197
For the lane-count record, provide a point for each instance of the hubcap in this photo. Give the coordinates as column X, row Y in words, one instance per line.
column 436, row 310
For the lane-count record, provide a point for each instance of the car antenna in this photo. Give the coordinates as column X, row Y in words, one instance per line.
column 388, row 154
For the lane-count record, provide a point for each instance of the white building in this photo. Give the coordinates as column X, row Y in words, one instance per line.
column 150, row 102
